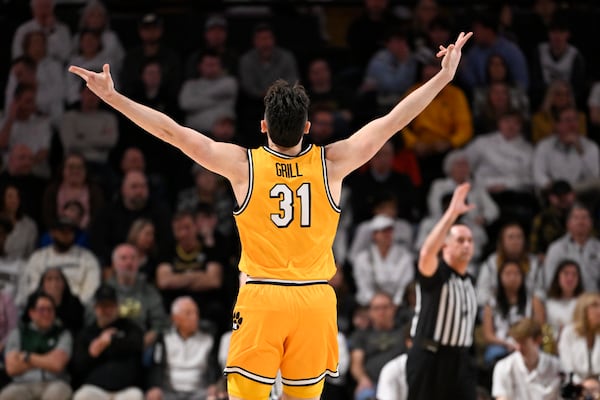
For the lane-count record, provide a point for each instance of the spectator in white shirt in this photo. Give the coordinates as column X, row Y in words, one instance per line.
column 386, row 205
column 23, row 125
column 565, row 288
column 578, row 245
column 47, row 74
column 210, row 96
column 458, row 170
column 527, row 374
column 186, row 366
column 79, row 265
column 501, row 160
column 44, row 19
column 92, row 132
column 384, row 265
column 558, row 59
column 579, row 344
column 566, row 155
column 95, row 16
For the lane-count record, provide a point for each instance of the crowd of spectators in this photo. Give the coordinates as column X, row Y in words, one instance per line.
column 118, row 255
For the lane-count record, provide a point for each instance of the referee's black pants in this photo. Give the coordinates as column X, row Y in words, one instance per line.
column 440, row 373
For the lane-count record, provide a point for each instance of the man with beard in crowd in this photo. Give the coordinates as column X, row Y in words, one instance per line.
column 79, row 265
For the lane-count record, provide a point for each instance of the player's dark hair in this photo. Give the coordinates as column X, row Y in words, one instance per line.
column 286, row 112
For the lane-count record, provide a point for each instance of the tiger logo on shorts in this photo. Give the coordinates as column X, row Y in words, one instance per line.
column 237, row 321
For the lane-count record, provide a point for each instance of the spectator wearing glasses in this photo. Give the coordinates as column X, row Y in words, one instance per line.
column 37, row 353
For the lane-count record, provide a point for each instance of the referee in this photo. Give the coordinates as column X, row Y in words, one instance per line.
column 439, row 366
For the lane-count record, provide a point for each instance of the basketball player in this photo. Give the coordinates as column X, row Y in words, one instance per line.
column 287, row 215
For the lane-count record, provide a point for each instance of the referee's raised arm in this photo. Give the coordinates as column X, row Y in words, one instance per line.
column 428, row 256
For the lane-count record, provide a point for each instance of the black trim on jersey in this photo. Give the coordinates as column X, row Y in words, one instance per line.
column 286, row 156
column 335, row 207
column 243, row 206
column 265, row 380
column 310, row 381
column 283, row 283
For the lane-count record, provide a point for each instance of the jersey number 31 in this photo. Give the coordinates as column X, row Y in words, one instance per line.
column 286, row 198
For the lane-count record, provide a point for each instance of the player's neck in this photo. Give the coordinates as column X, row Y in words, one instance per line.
column 289, row 151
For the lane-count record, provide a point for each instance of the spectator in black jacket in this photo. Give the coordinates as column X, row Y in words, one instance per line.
column 112, row 223
column 108, row 353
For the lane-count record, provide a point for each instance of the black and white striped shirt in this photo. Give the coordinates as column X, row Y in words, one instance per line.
column 446, row 308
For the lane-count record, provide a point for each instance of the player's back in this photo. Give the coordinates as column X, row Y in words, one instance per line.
column 288, row 220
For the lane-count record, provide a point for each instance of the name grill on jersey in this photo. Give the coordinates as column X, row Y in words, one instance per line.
column 287, row 170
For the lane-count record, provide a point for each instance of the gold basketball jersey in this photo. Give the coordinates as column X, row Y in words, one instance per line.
column 288, row 220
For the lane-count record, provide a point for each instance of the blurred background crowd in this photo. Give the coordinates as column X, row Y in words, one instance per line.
column 118, row 254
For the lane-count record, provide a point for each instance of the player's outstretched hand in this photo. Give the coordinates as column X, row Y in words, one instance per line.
column 100, row 83
column 451, row 54
column 458, row 204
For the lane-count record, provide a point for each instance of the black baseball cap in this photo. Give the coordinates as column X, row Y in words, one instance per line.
column 105, row 293
column 560, row 187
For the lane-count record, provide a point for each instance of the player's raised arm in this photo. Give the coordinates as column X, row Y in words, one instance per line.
column 346, row 155
column 223, row 158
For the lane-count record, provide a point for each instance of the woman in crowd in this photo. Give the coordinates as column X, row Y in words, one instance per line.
column 69, row 309
column 497, row 103
column 562, row 295
column 559, row 95
column 510, row 246
column 22, row 240
column 511, row 304
column 89, row 54
column 498, row 73
column 72, row 184
column 142, row 237
column 579, row 344
column 94, row 16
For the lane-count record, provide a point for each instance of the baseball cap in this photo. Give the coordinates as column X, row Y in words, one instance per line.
column 380, row 222
column 105, row 293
